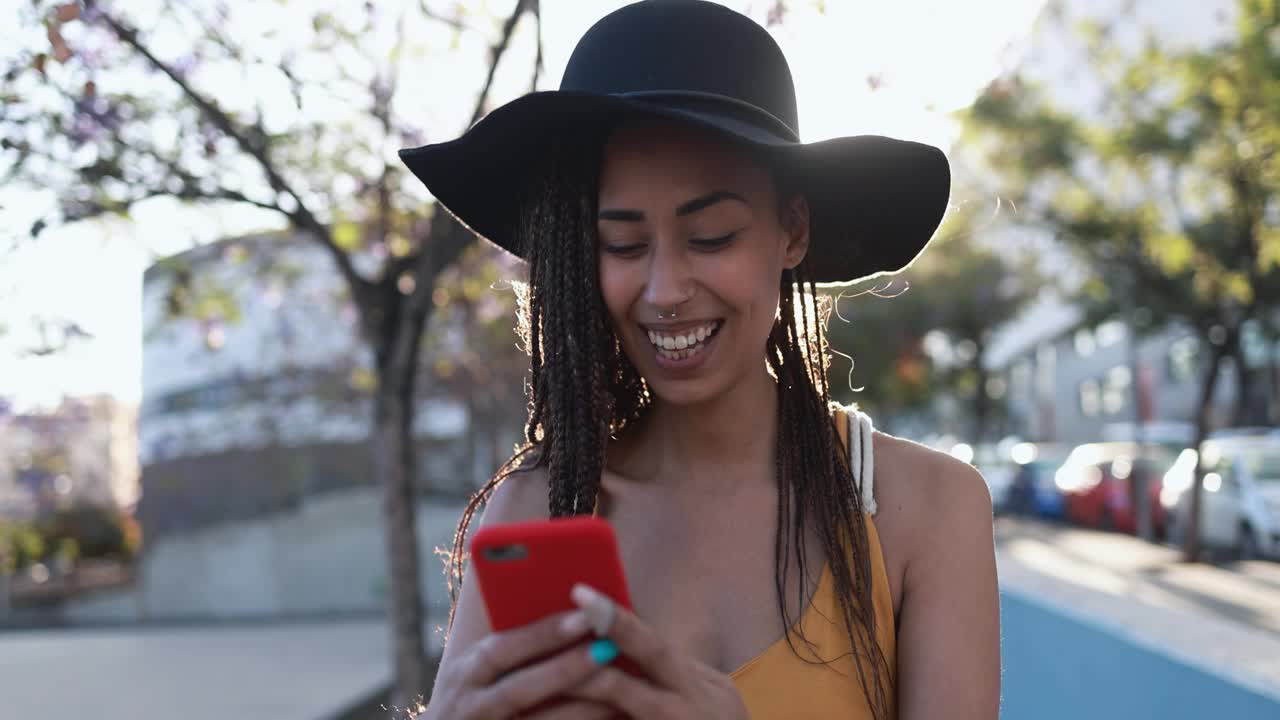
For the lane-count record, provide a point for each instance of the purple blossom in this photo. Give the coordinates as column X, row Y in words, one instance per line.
column 185, row 64
column 93, row 12
column 84, row 129
column 412, row 137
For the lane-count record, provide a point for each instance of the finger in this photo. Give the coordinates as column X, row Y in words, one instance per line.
column 635, row 697
column 634, row 639
column 534, row 684
column 601, row 610
column 500, row 653
column 574, row 710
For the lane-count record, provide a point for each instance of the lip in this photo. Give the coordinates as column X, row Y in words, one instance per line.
column 678, row 326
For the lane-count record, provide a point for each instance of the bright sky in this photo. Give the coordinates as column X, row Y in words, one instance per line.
column 932, row 55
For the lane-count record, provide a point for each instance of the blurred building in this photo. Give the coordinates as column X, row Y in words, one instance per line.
column 1066, row 381
column 84, row 451
column 256, row 390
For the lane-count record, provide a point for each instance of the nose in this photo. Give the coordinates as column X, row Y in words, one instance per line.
column 670, row 280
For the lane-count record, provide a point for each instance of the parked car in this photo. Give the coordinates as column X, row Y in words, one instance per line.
column 1034, row 491
column 998, row 469
column 1097, row 482
column 1240, row 506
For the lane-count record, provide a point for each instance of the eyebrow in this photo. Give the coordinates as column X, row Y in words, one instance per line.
column 701, row 202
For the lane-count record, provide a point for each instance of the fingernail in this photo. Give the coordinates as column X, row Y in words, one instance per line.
column 585, row 595
column 597, row 607
column 581, row 593
column 575, row 623
column 603, row 651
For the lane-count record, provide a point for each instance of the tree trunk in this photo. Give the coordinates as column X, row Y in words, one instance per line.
column 395, row 465
column 1273, row 402
column 1244, row 413
column 1204, row 410
column 1140, row 474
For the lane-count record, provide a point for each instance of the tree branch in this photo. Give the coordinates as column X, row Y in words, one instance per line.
column 454, row 23
column 231, row 195
column 91, row 209
column 383, row 93
column 536, row 9
column 255, row 147
column 495, row 55
column 446, row 238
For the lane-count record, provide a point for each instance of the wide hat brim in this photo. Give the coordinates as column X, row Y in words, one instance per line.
column 874, row 201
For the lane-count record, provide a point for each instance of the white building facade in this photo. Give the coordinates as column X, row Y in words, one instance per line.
column 257, row 390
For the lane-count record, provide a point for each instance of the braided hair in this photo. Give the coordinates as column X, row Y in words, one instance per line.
column 583, row 390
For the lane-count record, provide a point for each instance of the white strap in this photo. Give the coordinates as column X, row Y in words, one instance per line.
column 862, row 458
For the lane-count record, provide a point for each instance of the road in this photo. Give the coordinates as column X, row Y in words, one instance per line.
column 1222, row 619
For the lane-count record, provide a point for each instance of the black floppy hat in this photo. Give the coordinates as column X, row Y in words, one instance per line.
column 875, row 201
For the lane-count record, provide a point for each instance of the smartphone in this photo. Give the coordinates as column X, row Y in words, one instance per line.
column 526, row 570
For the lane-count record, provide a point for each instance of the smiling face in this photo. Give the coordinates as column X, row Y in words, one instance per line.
column 691, row 226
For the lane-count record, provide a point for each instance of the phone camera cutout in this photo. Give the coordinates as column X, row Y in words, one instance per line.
column 506, row 553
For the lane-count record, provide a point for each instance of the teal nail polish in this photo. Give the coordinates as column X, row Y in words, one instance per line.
column 603, row 651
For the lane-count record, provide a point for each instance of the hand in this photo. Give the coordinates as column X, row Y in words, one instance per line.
column 678, row 687
column 496, row 678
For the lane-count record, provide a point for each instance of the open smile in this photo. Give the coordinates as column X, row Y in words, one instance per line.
column 685, row 346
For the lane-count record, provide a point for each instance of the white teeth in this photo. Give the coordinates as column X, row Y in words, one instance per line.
column 677, row 345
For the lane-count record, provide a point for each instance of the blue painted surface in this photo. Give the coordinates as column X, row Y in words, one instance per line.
column 1061, row 667
column 1050, row 504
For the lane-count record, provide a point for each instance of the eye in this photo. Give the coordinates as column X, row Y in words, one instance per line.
column 713, row 244
column 624, row 249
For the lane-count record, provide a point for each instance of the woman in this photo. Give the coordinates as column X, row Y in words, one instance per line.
column 675, row 230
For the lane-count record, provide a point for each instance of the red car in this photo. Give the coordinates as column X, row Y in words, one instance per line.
column 1097, row 483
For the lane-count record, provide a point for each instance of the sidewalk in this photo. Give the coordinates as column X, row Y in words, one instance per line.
column 1223, row 620
column 291, row 671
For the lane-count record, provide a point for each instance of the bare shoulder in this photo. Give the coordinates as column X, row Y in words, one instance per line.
column 935, row 520
column 521, row 496
column 926, row 497
column 928, row 482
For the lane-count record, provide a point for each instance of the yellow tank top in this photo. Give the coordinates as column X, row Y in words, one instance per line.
column 822, row 681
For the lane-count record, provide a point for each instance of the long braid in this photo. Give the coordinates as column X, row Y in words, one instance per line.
column 814, row 467
column 583, row 390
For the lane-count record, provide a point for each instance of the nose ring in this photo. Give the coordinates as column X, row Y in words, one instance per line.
column 668, row 315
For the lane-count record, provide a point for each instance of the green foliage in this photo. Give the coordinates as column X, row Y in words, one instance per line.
column 472, row 342
column 1168, row 189
column 69, row 534
column 20, row 545
column 959, row 291
column 892, row 374
column 90, row 531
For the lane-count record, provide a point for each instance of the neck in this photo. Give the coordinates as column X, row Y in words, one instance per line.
column 720, row 440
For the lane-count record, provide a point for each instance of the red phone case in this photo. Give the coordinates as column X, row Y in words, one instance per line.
column 542, row 562
column 556, row 555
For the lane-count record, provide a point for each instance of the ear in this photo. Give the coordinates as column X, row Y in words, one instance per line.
column 795, row 226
